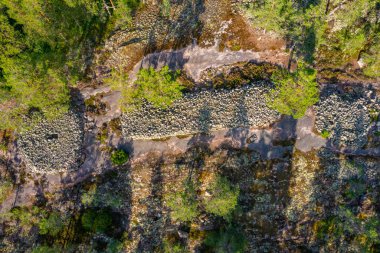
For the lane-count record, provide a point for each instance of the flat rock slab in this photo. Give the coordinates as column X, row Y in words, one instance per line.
column 194, row 59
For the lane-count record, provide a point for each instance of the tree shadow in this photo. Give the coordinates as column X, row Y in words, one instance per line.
column 151, row 228
column 179, row 32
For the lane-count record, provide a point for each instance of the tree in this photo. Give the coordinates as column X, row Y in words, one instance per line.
column 301, row 23
column 294, row 92
column 183, row 204
column 371, row 60
column 226, row 240
column 119, row 157
column 96, row 221
column 159, row 88
column 43, row 50
column 328, row 33
column 223, row 199
column 46, row 249
column 124, row 11
column 52, row 225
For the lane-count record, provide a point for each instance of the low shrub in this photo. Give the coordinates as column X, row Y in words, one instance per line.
column 325, row 134
column 294, row 92
column 229, row 240
column 183, row 204
column 224, row 198
column 52, row 225
column 96, row 221
column 5, row 189
column 119, row 157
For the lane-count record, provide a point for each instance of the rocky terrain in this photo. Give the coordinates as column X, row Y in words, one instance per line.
column 203, row 112
column 310, row 184
column 55, row 145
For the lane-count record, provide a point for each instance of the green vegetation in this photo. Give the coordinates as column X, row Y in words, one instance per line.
column 171, row 246
column 183, row 204
column 160, row 88
column 325, row 134
column 360, row 231
column 165, row 8
column 328, row 33
column 119, row 157
column 46, row 249
column 223, row 199
column 351, row 224
column 96, row 221
column 226, row 240
column 52, row 225
column 43, row 47
column 6, row 188
column 27, row 217
column 114, row 246
column 294, row 92
column 95, row 197
column 124, row 11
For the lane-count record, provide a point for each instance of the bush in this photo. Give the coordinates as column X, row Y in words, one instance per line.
column 325, row 134
column 159, row 88
column 224, row 198
column 6, row 188
column 183, row 204
column 52, row 226
column 294, row 92
column 98, row 197
column 96, row 221
column 346, row 227
column 119, row 157
column 46, row 249
column 171, row 246
column 228, row 240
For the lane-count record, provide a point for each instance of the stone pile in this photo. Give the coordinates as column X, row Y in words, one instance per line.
column 202, row 112
column 345, row 117
column 53, row 145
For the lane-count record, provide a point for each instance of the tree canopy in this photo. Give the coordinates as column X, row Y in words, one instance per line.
column 158, row 87
column 44, row 49
column 294, row 92
column 326, row 33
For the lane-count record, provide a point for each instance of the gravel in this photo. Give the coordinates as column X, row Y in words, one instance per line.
column 202, row 112
column 54, row 145
column 345, row 117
